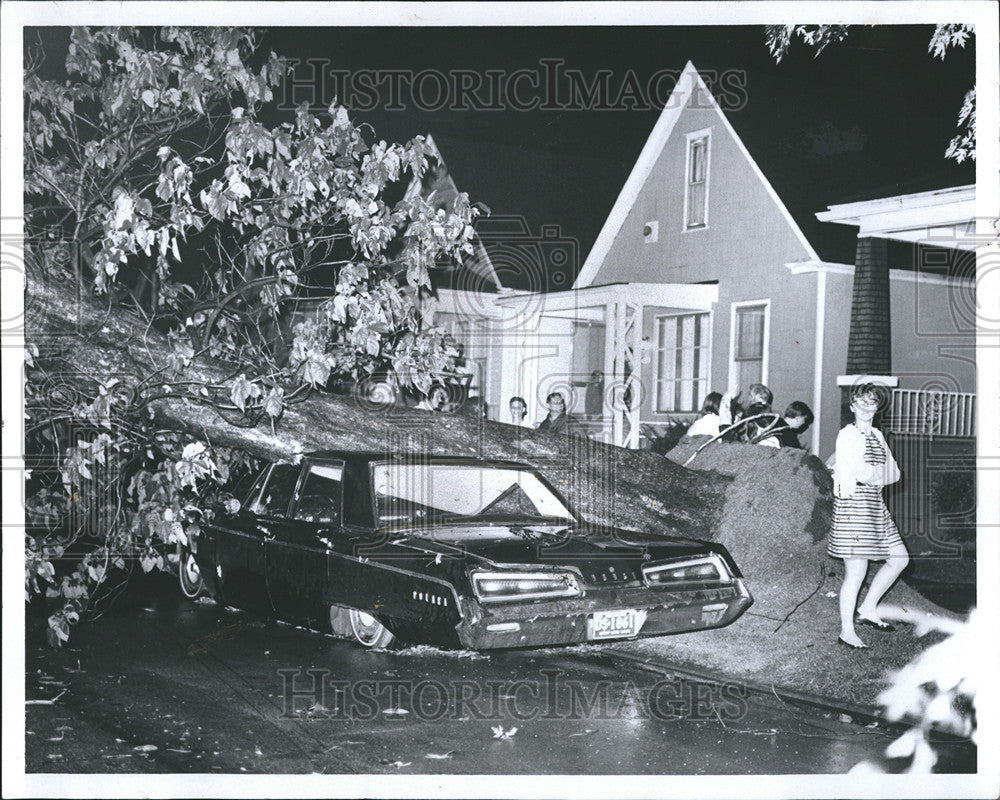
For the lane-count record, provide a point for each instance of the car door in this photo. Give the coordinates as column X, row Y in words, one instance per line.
column 240, row 539
column 296, row 552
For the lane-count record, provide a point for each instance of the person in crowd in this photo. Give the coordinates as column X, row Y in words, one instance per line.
column 708, row 423
column 759, row 393
column 760, row 424
column 557, row 420
column 474, row 407
column 593, row 399
column 732, row 411
column 863, row 530
column 796, row 421
column 519, row 412
column 437, row 399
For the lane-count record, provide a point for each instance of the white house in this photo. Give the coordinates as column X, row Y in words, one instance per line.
column 700, row 278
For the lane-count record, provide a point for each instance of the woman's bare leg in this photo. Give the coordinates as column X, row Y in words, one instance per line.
column 855, row 570
column 883, row 581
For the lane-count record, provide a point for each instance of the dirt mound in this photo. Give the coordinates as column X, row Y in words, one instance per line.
column 775, row 518
column 774, row 521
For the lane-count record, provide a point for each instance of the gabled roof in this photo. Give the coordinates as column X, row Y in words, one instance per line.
column 688, row 83
column 438, row 188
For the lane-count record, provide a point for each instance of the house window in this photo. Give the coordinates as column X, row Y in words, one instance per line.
column 682, row 362
column 749, row 344
column 696, row 182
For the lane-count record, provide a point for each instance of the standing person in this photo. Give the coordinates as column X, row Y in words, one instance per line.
column 796, row 421
column 863, row 530
column 519, row 412
column 760, row 425
column 760, row 394
column 557, row 421
column 593, row 399
column 708, row 423
column 731, row 410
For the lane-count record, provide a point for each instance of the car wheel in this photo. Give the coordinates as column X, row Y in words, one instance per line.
column 368, row 631
column 192, row 584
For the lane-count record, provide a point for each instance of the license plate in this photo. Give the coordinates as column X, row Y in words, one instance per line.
column 613, row 624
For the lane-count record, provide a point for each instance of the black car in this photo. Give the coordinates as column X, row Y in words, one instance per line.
column 456, row 552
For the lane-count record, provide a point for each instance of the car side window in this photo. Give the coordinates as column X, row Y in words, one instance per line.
column 278, row 490
column 322, row 494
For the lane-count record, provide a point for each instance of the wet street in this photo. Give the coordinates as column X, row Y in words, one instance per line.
column 162, row 684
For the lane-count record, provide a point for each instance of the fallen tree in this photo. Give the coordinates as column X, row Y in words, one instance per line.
column 169, row 233
column 82, row 346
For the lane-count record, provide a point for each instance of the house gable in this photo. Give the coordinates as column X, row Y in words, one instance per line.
column 748, row 228
column 438, row 188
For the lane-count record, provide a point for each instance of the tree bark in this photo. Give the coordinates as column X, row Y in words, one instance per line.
column 82, row 342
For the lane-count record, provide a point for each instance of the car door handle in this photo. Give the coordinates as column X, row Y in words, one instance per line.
column 265, row 531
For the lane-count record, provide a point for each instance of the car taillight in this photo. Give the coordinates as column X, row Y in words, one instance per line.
column 511, row 586
column 687, row 572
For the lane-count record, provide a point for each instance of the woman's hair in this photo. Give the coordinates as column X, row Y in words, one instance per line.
column 759, row 393
column 864, row 390
column 711, row 404
column 555, row 396
column 517, row 399
column 799, row 409
column 753, row 428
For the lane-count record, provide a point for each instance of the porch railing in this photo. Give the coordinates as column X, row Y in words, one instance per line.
column 931, row 412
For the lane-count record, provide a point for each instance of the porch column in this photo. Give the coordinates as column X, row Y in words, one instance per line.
column 622, row 357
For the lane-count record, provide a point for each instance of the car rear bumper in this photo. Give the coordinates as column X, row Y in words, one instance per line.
column 565, row 621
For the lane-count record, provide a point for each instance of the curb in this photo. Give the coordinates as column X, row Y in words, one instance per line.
column 858, row 712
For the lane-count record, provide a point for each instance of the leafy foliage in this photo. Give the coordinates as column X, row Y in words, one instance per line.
column 779, row 39
column 295, row 251
column 935, row 691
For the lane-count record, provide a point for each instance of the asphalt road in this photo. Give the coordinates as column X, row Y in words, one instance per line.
column 159, row 684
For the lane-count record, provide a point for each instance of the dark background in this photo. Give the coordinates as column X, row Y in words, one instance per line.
column 869, row 117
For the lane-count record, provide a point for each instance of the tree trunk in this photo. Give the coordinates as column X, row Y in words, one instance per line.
column 81, row 343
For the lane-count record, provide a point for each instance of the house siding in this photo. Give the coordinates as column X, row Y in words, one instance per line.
column 744, row 248
column 933, row 339
column 747, row 231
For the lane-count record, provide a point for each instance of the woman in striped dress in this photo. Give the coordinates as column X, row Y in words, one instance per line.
column 862, row 529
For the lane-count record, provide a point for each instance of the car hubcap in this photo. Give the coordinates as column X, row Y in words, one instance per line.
column 190, row 574
column 366, row 628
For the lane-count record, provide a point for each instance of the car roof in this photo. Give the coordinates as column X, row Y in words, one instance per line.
column 364, row 457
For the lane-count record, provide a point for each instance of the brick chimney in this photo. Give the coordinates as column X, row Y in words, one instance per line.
column 869, row 344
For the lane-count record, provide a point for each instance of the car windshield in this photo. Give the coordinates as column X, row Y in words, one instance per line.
column 420, row 494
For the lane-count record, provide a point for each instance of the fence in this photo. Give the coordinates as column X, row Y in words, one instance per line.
column 932, row 413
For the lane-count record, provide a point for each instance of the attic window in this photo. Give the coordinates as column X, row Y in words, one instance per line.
column 696, row 181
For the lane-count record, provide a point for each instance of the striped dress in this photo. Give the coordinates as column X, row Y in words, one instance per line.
column 862, row 526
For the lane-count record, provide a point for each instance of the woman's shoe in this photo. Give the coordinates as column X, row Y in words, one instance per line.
column 841, row 640
column 885, row 627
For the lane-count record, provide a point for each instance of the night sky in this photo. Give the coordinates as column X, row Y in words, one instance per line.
column 869, row 117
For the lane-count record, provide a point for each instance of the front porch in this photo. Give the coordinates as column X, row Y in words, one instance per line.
column 588, row 344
